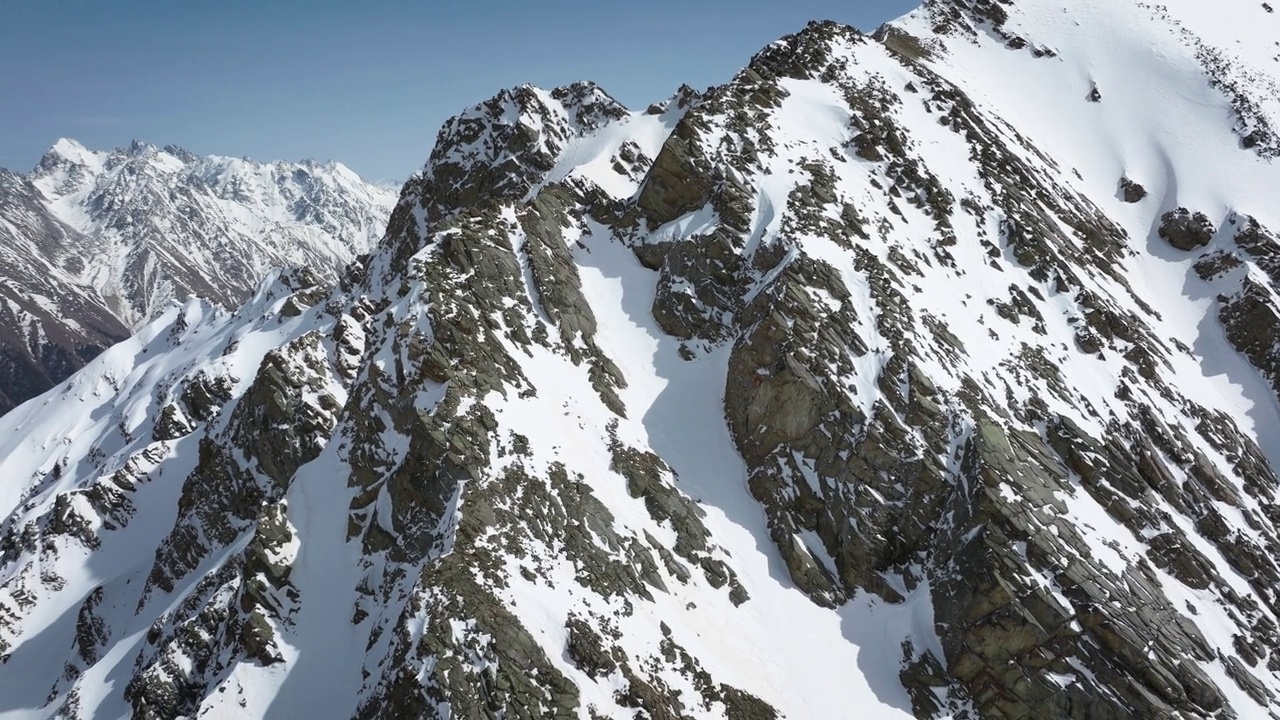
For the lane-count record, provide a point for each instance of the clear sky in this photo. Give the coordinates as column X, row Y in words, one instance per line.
column 364, row 83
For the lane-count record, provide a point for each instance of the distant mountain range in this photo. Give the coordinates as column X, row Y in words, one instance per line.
column 93, row 244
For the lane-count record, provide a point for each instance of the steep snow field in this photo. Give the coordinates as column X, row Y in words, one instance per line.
column 1159, row 123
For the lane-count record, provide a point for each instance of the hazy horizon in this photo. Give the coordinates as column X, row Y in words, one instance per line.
column 364, row 86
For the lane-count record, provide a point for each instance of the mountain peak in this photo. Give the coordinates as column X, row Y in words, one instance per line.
column 808, row 52
column 66, row 151
column 519, row 132
column 589, row 104
column 67, row 147
column 138, row 147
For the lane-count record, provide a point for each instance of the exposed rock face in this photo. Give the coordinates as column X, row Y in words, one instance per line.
column 93, row 244
column 828, row 391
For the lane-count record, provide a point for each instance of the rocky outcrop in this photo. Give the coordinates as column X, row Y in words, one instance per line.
column 1251, row 313
column 1252, row 319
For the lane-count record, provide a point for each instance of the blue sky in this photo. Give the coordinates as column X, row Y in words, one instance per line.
column 367, row 84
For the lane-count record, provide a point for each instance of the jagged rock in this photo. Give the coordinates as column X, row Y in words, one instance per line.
column 1213, row 265
column 587, row 651
column 204, row 394
column 172, row 424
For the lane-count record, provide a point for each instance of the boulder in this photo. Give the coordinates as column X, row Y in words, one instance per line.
column 1186, row 230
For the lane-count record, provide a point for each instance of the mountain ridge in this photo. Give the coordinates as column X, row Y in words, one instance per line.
column 861, row 383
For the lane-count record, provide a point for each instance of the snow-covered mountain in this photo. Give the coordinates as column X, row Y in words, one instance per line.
column 93, row 244
column 932, row 373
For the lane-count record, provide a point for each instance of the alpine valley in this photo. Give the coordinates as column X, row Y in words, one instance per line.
column 95, row 244
column 930, row 373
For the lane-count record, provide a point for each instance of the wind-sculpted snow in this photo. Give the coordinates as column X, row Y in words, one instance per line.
column 867, row 384
column 98, row 243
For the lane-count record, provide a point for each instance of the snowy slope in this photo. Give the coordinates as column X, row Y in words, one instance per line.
column 97, row 243
column 867, row 384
